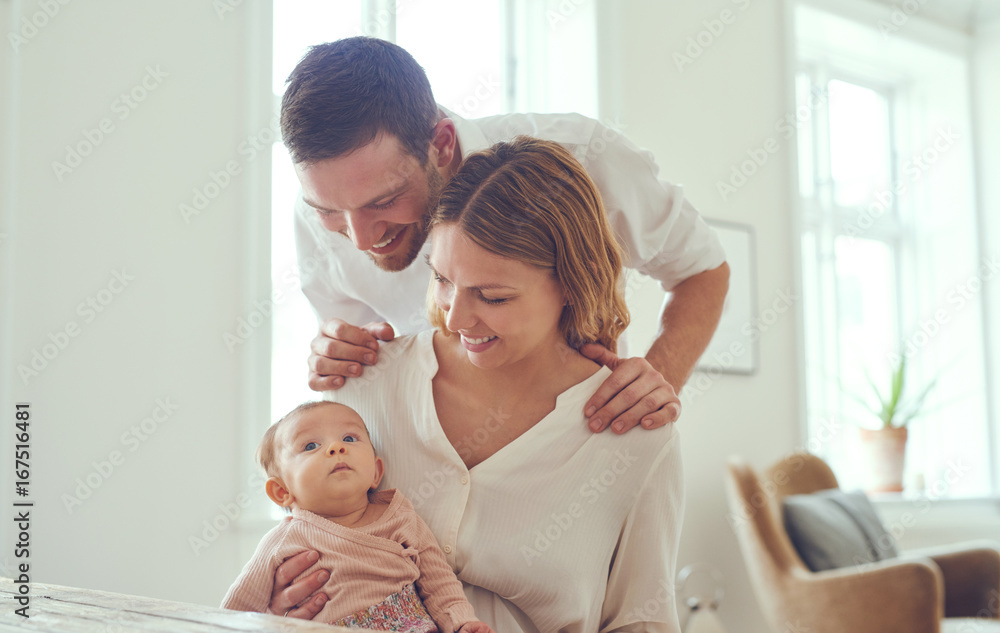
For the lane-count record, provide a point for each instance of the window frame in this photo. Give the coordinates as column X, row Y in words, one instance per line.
column 901, row 230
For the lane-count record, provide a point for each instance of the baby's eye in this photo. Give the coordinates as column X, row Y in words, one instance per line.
column 350, row 438
column 311, row 446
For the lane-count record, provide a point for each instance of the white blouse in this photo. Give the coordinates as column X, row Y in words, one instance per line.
column 560, row 530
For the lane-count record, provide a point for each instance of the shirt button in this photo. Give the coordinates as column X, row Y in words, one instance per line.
column 465, row 480
column 447, row 549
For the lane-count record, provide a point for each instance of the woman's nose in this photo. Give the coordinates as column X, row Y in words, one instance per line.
column 459, row 314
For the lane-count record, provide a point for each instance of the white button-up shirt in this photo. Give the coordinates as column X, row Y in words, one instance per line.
column 661, row 234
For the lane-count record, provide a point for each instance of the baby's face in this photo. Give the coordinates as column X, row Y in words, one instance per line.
column 326, row 460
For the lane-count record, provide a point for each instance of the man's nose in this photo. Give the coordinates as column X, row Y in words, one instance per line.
column 363, row 229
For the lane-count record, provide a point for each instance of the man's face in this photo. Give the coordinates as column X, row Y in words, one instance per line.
column 378, row 196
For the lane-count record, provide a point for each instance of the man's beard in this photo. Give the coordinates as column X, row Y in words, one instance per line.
column 418, row 231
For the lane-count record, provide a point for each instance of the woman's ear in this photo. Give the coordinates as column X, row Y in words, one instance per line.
column 278, row 492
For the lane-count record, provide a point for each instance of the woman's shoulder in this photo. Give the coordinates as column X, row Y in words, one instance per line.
column 407, row 350
column 658, row 450
column 654, row 450
column 402, row 361
column 569, row 430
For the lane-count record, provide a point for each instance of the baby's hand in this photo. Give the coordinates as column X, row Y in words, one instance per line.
column 475, row 627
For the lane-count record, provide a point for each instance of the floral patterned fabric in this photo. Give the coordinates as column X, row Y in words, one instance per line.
column 402, row 611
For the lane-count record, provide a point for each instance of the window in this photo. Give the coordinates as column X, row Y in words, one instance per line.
column 491, row 75
column 889, row 253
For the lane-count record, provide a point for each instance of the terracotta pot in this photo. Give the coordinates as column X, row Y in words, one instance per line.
column 883, row 452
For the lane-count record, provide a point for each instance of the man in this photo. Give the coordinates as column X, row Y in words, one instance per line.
column 372, row 151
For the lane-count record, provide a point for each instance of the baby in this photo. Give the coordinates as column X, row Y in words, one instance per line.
column 321, row 466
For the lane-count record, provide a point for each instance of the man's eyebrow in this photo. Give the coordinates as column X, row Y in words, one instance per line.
column 374, row 200
column 427, row 258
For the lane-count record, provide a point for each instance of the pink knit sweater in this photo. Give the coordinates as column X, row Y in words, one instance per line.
column 366, row 564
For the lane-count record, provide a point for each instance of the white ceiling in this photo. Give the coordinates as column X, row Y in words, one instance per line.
column 961, row 14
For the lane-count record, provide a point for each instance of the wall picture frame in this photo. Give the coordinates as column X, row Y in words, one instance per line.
column 734, row 349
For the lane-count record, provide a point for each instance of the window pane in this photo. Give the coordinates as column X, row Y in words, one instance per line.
column 804, row 120
column 294, row 323
column 297, row 25
column 913, row 286
column 859, row 143
column 468, row 83
column 865, row 337
column 867, row 318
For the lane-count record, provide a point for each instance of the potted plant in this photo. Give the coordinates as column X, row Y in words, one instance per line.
column 884, row 448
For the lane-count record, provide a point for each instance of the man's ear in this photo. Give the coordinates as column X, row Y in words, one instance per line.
column 444, row 143
column 379, row 471
column 276, row 490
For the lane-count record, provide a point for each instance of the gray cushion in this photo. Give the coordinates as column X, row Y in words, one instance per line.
column 833, row 528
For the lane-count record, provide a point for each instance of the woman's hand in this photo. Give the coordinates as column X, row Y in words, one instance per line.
column 634, row 393
column 286, row 597
column 475, row 627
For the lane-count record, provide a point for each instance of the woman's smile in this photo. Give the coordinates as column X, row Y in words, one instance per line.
column 478, row 344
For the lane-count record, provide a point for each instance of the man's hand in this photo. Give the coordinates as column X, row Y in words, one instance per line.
column 290, row 600
column 475, row 627
column 341, row 350
column 634, row 393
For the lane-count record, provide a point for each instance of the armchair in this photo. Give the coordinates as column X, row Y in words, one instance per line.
column 913, row 593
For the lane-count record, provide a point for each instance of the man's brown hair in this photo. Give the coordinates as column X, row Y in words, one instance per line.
column 342, row 95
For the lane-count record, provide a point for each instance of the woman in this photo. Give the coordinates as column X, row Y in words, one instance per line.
column 550, row 526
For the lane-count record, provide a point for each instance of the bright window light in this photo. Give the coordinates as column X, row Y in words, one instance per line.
column 889, row 251
column 859, row 142
column 466, row 68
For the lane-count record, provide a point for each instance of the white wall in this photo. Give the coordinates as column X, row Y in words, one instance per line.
column 700, row 119
column 159, row 338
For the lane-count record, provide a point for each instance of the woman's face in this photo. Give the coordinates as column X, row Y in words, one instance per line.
column 505, row 311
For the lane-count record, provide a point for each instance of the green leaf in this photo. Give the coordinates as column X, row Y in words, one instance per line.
column 894, row 410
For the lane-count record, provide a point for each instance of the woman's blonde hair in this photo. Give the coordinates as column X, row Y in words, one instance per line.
column 531, row 201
